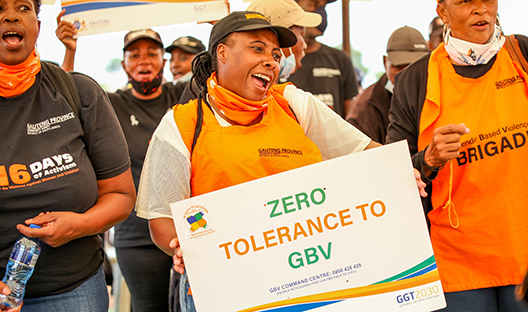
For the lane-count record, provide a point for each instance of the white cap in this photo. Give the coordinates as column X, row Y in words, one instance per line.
column 285, row 13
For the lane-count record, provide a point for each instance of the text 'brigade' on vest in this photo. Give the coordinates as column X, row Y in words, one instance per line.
column 498, row 141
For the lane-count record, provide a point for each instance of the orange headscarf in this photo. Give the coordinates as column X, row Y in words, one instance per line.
column 233, row 106
column 16, row 79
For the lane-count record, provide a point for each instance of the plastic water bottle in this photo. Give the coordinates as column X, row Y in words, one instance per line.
column 19, row 269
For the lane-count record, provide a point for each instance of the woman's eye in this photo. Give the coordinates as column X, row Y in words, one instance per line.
column 258, row 49
column 276, row 57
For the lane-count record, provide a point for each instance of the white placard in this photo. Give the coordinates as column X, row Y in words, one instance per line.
column 348, row 234
column 95, row 17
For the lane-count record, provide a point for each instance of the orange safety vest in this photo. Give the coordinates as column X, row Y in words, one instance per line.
column 482, row 239
column 226, row 156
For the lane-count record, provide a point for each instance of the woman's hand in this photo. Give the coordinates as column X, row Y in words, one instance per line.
column 163, row 234
column 421, row 184
column 444, row 145
column 4, row 290
column 179, row 266
column 116, row 200
column 57, row 228
column 66, row 32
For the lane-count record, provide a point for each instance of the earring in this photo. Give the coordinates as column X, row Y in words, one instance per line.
column 499, row 25
column 445, row 31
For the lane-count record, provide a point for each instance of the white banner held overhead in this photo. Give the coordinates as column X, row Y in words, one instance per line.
column 347, row 234
column 95, row 16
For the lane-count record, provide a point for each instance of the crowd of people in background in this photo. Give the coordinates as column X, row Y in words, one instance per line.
column 448, row 96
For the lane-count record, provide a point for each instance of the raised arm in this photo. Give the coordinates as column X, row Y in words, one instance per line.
column 67, row 34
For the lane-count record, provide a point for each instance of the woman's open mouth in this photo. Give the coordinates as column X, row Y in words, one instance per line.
column 481, row 25
column 12, row 37
column 261, row 80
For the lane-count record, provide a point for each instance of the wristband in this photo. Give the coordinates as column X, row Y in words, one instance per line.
column 429, row 167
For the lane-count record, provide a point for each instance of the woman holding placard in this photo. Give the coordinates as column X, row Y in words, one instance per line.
column 212, row 143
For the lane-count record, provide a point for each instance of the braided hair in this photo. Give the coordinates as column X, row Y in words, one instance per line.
column 203, row 65
column 202, row 68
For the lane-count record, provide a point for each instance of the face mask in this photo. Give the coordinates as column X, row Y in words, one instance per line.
column 468, row 53
column 147, row 87
column 287, row 65
column 183, row 78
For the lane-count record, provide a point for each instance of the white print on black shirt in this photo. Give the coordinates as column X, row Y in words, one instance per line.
column 326, row 72
column 48, row 124
column 16, row 176
column 52, row 165
column 133, row 120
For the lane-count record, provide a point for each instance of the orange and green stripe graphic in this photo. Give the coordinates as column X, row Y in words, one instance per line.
column 423, row 273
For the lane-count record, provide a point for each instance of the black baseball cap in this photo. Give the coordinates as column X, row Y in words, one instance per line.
column 245, row 21
column 142, row 34
column 188, row 44
column 324, row 22
column 405, row 46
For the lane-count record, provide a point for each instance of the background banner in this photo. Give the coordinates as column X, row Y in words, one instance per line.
column 103, row 16
column 347, row 234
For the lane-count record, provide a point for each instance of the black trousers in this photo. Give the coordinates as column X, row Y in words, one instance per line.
column 147, row 271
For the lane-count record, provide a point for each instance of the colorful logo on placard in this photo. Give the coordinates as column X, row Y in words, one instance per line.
column 197, row 221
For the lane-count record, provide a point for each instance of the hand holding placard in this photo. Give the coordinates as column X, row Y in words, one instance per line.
column 319, row 235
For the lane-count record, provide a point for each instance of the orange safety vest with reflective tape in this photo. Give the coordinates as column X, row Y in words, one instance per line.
column 481, row 239
column 226, row 156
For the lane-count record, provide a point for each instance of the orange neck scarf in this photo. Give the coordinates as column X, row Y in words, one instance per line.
column 16, row 79
column 233, row 106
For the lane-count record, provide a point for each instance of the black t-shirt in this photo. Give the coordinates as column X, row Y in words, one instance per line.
column 329, row 75
column 50, row 161
column 188, row 93
column 139, row 119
